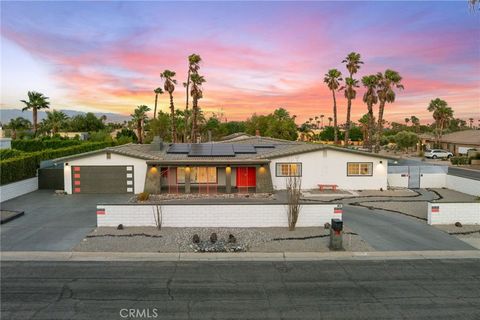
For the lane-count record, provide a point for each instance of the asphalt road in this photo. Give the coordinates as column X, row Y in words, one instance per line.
column 51, row 222
column 387, row 231
column 407, row 289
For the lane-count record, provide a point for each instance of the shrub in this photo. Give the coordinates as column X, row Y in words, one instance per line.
column 25, row 166
column 459, row 160
column 143, row 196
column 42, row 144
column 9, row 153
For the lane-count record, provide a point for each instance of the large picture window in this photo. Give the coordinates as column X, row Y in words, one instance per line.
column 198, row 175
column 359, row 169
column 288, row 169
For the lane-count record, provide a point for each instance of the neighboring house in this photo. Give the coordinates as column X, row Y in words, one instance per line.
column 5, row 143
column 82, row 135
column 252, row 164
column 456, row 142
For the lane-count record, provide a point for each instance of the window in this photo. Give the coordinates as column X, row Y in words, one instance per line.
column 288, row 169
column 359, row 169
column 198, row 175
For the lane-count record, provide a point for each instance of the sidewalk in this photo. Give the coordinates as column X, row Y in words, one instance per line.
column 241, row 256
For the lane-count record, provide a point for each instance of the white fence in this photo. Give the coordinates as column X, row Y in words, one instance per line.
column 427, row 176
column 19, row 188
column 449, row 213
column 465, row 185
column 215, row 215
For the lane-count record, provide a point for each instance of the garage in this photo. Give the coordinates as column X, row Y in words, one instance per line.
column 102, row 179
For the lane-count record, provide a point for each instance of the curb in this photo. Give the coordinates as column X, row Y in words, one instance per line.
column 13, row 217
column 241, row 256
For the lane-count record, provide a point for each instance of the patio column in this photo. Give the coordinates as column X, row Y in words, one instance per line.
column 228, row 179
column 187, row 179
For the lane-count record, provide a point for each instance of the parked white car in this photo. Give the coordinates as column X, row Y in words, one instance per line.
column 438, row 153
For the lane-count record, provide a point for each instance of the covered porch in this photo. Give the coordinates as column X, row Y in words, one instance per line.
column 208, row 177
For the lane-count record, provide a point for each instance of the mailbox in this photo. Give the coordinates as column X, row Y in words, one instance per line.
column 336, row 235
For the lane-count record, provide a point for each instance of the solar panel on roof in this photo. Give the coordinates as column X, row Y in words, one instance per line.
column 200, row 150
column 224, row 150
column 261, row 145
column 244, row 148
column 179, row 148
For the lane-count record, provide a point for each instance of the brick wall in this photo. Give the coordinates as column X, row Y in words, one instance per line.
column 251, row 215
column 449, row 213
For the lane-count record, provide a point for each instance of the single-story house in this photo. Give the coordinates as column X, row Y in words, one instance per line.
column 243, row 164
column 456, row 142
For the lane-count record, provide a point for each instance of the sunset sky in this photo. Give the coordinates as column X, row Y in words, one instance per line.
column 257, row 56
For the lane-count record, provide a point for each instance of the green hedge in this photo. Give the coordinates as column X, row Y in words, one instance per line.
column 9, row 153
column 39, row 145
column 25, row 166
column 459, row 160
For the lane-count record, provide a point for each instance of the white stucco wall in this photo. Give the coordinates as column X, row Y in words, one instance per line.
column 468, row 186
column 19, row 188
column 449, row 213
column 397, row 180
column 225, row 215
column 139, row 167
column 330, row 167
column 433, row 180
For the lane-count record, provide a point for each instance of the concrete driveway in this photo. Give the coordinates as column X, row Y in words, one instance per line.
column 52, row 222
column 387, row 231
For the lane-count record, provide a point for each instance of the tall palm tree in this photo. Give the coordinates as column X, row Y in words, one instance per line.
column 352, row 63
column 364, row 124
column 387, row 82
column 157, row 92
column 471, row 122
column 370, row 97
column 330, row 119
column 197, row 93
column 321, row 119
column 332, row 79
column 442, row 114
column 169, row 86
column 407, row 120
column 18, row 123
column 36, row 101
column 193, row 67
column 139, row 117
column 55, row 121
column 415, row 122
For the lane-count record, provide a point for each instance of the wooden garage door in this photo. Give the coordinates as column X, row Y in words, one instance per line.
column 102, row 179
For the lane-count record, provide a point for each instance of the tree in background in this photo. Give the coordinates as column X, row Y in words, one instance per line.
column 330, row 119
column 407, row 120
column 55, row 121
column 405, row 140
column 352, row 63
column 332, row 79
column 126, row 136
column 470, row 120
column 197, row 93
column 415, row 122
column 328, row 134
column 169, row 86
column 278, row 124
column 387, row 82
column 365, row 128
column 442, row 114
column 161, row 126
column 85, row 123
column 370, row 98
column 18, row 124
column 36, row 101
column 157, row 92
column 139, row 117
column 193, row 67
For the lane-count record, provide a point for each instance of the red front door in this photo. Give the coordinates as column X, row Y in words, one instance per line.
column 246, row 177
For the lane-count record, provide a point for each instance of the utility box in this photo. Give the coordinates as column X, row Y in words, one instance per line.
column 336, row 235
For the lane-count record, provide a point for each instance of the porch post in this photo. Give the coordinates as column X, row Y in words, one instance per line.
column 187, row 179
column 228, row 179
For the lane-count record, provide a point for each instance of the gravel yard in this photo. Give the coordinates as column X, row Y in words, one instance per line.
column 149, row 239
column 387, row 193
column 455, row 196
column 467, row 233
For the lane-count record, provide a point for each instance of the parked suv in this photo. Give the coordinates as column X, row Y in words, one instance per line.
column 438, row 153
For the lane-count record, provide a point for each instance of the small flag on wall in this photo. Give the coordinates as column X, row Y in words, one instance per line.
column 338, row 209
column 100, row 211
column 435, row 209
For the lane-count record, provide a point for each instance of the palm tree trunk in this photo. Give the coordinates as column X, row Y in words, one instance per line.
column 335, row 128
column 185, row 136
column 155, row 109
column 139, row 131
column 174, row 125
column 194, row 120
column 347, row 123
column 381, row 109
column 371, row 126
column 34, row 114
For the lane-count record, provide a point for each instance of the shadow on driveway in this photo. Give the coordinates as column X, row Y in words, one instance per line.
column 52, row 222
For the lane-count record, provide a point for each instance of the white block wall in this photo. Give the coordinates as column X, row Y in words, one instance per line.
column 465, row 185
column 215, row 215
column 432, row 180
column 139, row 167
column 330, row 167
column 449, row 213
column 19, row 188
column 396, row 180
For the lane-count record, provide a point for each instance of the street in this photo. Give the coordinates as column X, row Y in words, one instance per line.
column 383, row 289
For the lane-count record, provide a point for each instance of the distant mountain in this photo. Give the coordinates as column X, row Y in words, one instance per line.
column 7, row 114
